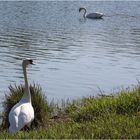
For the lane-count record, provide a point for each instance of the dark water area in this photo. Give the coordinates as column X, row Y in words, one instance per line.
column 74, row 57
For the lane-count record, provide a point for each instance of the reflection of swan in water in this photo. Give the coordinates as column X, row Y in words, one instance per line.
column 22, row 113
column 95, row 15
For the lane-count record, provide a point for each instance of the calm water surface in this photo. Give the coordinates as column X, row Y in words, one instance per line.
column 74, row 57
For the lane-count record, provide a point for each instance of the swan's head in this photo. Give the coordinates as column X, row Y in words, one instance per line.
column 82, row 8
column 27, row 62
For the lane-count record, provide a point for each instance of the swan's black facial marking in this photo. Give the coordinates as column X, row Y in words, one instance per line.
column 31, row 61
column 80, row 9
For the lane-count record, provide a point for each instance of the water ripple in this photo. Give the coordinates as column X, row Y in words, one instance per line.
column 73, row 57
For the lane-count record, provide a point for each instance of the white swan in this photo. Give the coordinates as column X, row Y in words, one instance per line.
column 95, row 15
column 22, row 113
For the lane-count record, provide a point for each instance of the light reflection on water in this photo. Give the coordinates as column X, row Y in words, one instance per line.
column 74, row 57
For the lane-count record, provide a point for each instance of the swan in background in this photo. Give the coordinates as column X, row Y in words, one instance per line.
column 22, row 113
column 95, row 15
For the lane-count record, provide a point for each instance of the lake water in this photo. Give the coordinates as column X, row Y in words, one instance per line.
column 74, row 57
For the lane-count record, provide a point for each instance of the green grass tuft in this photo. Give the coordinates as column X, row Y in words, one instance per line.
column 39, row 103
column 114, row 117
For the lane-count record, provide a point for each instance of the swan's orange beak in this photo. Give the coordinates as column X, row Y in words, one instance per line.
column 33, row 63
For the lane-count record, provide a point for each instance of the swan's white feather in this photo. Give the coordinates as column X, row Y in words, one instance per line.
column 94, row 15
column 20, row 115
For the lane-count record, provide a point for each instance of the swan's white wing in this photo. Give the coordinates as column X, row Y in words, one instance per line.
column 20, row 115
column 13, row 118
column 95, row 15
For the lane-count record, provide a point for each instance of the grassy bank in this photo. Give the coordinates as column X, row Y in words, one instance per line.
column 116, row 116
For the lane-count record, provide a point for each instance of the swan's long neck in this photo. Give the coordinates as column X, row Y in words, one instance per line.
column 26, row 96
column 85, row 11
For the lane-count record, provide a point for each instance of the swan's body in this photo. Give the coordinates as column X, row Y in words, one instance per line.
column 22, row 113
column 95, row 15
